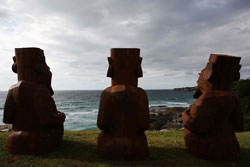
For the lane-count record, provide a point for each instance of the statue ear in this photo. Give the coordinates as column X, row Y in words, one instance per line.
column 14, row 65
column 110, row 69
column 139, row 69
column 208, row 72
column 237, row 74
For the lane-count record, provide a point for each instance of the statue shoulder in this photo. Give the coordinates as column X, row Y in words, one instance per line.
column 114, row 89
column 26, row 87
column 124, row 88
column 15, row 89
column 21, row 89
column 118, row 88
column 107, row 90
column 142, row 91
column 206, row 98
column 16, row 86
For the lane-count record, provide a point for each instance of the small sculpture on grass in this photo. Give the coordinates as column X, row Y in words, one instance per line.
column 211, row 121
column 30, row 108
column 123, row 112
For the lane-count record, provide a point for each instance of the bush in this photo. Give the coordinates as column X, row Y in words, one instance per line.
column 245, row 103
column 242, row 88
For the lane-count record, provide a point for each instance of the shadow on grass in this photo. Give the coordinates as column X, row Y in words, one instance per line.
column 244, row 157
column 75, row 150
column 87, row 152
column 84, row 152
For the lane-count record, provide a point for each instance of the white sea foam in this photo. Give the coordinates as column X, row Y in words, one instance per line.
column 171, row 104
column 81, row 107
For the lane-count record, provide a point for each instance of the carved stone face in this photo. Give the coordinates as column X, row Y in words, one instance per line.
column 200, row 81
column 30, row 65
column 44, row 76
column 203, row 80
column 220, row 72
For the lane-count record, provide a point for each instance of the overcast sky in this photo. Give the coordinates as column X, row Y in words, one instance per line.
column 176, row 38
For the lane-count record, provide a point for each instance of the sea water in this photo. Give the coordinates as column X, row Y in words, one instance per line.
column 81, row 106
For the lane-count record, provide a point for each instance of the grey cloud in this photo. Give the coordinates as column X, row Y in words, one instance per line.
column 175, row 36
column 189, row 73
column 3, row 13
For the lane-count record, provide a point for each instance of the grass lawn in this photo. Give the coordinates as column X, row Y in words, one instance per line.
column 79, row 149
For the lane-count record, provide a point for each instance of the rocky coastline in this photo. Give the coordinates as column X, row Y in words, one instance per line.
column 5, row 128
column 166, row 118
column 194, row 88
column 161, row 118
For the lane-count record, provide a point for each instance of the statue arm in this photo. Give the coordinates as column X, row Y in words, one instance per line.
column 238, row 116
column 46, row 109
column 104, row 107
column 186, row 118
column 9, row 109
column 201, row 117
column 144, row 117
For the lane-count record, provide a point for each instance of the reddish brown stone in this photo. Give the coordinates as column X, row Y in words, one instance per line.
column 212, row 120
column 29, row 106
column 123, row 112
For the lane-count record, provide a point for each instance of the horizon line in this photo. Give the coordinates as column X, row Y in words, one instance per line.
column 96, row 89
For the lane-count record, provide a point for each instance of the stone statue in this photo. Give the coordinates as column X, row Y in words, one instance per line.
column 123, row 112
column 29, row 106
column 211, row 121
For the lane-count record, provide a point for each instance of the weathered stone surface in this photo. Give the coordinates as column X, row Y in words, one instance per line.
column 30, row 108
column 123, row 112
column 213, row 118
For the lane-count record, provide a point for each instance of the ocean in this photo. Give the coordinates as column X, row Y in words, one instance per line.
column 81, row 106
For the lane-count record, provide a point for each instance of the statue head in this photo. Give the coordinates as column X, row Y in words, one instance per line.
column 30, row 65
column 125, row 66
column 220, row 73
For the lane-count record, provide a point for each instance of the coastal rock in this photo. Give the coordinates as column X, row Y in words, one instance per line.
column 164, row 118
column 5, row 128
column 186, row 88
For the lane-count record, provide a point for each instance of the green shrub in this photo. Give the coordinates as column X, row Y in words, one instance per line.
column 242, row 88
column 245, row 103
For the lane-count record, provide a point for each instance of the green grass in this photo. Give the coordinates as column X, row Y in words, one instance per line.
column 79, row 149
